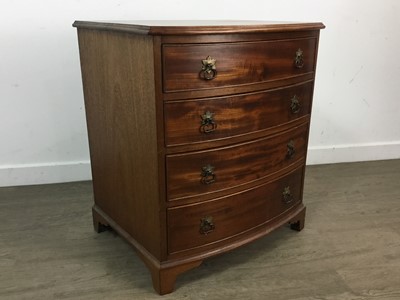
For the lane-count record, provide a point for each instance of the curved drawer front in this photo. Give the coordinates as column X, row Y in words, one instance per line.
column 204, row 223
column 186, row 121
column 197, row 173
column 185, row 67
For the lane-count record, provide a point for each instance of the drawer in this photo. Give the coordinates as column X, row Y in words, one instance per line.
column 203, row 172
column 193, row 121
column 185, row 66
column 200, row 224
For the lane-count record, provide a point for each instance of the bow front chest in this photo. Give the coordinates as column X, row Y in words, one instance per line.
column 198, row 133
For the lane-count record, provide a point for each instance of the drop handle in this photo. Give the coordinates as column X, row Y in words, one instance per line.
column 295, row 104
column 207, row 175
column 290, row 149
column 206, row 225
column 287, row 196
column 208, row 69
column 208, row 123
column 299, row 59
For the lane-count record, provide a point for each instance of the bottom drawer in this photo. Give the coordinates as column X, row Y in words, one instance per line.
column 199, row 224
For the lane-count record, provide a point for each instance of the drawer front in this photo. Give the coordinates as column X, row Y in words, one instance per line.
column 185, row 66
column 204, row 223
column 216, row 118
column 203, row 172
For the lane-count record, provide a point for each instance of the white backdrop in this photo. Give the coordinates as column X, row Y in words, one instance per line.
column 42, row 123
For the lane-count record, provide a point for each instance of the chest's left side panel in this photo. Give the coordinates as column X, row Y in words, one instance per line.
column 118, row 71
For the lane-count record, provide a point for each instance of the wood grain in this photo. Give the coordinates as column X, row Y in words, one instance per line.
column 144, row 156
column 190, row 27
column 236, row 63
column 120, row 109
column 236, row 165
column 231, row 215
column 234, row 115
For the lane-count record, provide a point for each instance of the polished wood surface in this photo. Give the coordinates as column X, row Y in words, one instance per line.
column 265, row 61
column 154, row 192
column 231, row 215
column 234, row 115
column 250, row 162
column 197, row 27
column 122, row 132
column 348, row 250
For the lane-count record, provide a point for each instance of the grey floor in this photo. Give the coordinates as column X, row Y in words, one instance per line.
column 349, row 249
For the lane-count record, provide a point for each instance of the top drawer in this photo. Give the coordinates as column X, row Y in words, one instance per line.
column 233, row 64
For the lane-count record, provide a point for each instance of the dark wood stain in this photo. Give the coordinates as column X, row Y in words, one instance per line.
column 231, row 215
column 234, row 165
column 236, row 63
column 144, row 100
column 234, row 115
column 120, row 112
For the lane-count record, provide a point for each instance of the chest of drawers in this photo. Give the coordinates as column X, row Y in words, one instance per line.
column 198, row 133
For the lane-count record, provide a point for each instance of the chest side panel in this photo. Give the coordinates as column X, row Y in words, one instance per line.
column 118, row 77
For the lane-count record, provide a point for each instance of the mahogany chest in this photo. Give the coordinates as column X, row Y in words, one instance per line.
column 198, row 133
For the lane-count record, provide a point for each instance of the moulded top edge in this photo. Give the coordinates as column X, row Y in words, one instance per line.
column 188, row 27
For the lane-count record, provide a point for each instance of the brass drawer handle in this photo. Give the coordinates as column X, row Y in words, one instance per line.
column 207, row 175
column 295, row 104
column 299, row 60
column 206, row 225
column 208, row 70
column 291, row 151
column 287, row 196
column 208, row 123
